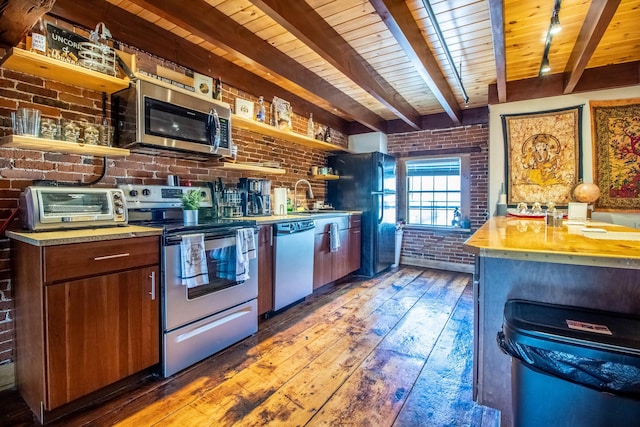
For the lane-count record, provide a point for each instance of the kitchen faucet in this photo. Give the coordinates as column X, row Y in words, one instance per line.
column 295, row 192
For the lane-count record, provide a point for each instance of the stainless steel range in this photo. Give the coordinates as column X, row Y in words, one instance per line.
column 200, row 320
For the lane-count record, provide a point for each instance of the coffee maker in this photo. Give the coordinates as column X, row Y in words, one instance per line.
column 255, row 196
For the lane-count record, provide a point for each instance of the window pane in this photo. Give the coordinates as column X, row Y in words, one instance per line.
column 433, row 190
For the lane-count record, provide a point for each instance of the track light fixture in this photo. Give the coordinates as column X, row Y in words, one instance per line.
column 545, row 67
column 554, row 28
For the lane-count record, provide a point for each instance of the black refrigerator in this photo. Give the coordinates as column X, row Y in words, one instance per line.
column 368, row 183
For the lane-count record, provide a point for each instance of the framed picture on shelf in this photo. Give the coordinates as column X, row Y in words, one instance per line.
column 542, row 155
column 281, row 114
column 244, row 108
column 203, row 84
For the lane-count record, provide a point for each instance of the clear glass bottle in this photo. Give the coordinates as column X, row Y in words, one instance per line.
column 310, row 131
column 37, row 38
column 262, row 112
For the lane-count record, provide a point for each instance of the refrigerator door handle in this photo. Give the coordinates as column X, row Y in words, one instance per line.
column 380, row 182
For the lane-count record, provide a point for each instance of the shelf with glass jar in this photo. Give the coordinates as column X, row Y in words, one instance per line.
column 251, row 125
column 42, row 144
column 23, row 61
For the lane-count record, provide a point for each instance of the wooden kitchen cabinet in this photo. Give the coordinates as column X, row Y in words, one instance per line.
column 355, row 243
column 265, row 269
column 330, row 266
column 87, row 316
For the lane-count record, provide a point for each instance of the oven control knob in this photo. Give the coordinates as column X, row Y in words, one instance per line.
column 133, row 193
column 119, row 211
column 146, row 192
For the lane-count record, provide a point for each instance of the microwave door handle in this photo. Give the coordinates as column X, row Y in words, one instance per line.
column 216, row 132
column 210, row 128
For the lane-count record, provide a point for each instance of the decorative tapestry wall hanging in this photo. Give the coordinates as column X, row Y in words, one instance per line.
column 542, row 155
column 615, row 129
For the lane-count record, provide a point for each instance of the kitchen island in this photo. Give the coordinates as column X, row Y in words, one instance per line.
column 596, row 265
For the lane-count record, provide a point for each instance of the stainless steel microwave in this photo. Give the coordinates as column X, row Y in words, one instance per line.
column 153, row 117
column 56, row 208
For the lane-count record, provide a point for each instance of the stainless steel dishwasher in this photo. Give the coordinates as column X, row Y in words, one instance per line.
column 293, row 255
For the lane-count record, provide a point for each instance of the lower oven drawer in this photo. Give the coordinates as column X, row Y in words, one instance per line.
column 190, row 344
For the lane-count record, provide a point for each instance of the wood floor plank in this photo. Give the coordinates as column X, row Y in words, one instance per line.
column 395, row 348
column 449, row 371
column 405, row 347
column 287, row 351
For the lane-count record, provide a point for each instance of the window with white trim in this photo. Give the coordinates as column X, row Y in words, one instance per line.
column 436, row 190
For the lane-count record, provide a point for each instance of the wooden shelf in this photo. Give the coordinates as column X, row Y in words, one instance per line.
column 39, row 65
column 264, row 129
column 325, row 177
column 31, row 143
column 251, row 168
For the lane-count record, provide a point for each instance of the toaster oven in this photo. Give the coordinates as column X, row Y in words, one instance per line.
column 56, row 208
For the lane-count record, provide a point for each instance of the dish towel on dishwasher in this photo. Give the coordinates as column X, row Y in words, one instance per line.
column 334, row 237
column 193, row 260
column 245, row 251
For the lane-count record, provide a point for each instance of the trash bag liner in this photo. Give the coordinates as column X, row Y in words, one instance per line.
column 596, row 349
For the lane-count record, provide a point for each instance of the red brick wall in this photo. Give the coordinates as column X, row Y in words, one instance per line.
column 430, row 245
column 18, row 168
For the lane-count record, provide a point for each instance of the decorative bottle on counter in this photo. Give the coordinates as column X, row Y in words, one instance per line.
column 37, row 38
column 262, row 112
column 310, row 131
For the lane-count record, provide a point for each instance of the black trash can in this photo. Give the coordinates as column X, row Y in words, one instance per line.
column 572, row 366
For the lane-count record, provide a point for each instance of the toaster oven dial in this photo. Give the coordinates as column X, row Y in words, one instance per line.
column 146, row 192
column 133, row 193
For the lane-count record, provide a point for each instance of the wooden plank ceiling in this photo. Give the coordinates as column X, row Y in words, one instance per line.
column 362, row 65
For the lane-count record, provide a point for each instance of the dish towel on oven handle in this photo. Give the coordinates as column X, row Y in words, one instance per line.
column 245, row 251
column 193, row 261
column 334, row 237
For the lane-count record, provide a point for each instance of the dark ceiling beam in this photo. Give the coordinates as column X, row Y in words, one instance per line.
column 207, row 22
column 595, row 24
column 303, row 21
column 599, row 78
column 17, row 17
column 139, row 33
column 397, row 17
column 496, row 13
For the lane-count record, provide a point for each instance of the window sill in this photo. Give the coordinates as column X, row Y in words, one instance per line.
column 432, row 228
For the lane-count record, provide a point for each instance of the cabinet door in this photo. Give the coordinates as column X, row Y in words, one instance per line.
column 341, row 256
column 354, row 255
column 322, row 261
column 100, row 330
column 265, row 269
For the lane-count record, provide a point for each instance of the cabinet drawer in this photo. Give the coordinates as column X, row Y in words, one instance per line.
column 323, row 225
column 355, row 221
column 76, row 260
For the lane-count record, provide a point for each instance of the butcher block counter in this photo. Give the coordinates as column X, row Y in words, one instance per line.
column 62, row 237
column 594, row 265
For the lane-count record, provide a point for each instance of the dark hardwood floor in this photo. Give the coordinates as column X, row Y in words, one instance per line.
column 395, row 350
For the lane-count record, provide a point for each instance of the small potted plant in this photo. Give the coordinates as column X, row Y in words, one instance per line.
column 190, row 204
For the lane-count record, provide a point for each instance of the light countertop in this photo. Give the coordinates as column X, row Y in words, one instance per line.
column 518, row 238
column 297, row 216
column 61, row 237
